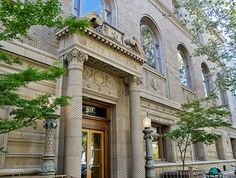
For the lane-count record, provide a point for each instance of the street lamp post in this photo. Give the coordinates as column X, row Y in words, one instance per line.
column 149, row 170
column 48, row 160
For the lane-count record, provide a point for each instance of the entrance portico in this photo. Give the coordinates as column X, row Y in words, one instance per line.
column 102, row 69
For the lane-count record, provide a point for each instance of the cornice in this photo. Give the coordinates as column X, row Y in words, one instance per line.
column 98, row 36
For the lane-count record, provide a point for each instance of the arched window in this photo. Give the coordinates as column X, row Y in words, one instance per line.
column 150, row 40
column 206, row 79
column 184, row 67
column 101, row 7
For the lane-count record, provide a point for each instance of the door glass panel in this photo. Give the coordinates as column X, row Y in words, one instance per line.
column 96, row 155
column 84, row 154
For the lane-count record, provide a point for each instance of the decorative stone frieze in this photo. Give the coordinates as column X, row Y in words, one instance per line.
column 97, row 81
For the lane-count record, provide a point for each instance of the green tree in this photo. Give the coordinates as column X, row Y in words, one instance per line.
column 194, row 118
column 16, row 18
column 217, row 18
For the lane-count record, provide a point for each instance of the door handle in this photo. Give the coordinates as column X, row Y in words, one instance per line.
column 94, row 166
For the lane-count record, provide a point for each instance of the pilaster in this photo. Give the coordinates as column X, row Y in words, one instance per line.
column 75, row 59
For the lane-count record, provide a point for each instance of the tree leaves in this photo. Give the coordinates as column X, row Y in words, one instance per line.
column 217, row 19
column 25, row 112
column 195, row 117
column 16, row 18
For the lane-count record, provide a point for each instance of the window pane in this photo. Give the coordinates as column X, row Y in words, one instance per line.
column 84, row 155
column 108, row 17
column 159, row 144
column 96, row 155
column 149, row 46
column 224, row 98
column 233, row 144
column 182, row 69
column 76, row 8
column 94, row 111
column 206, row 82
column 155, row 149
column 108, row 12
column 87, row 6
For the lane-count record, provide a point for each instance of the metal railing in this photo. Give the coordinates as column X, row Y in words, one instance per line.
column 177, row 172
column 35, row 176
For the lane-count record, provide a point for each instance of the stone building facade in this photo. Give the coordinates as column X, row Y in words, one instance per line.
column 135, row 62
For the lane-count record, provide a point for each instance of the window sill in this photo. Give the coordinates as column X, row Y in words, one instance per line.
column 161, row 162
column 154, row 71
column 188, row 89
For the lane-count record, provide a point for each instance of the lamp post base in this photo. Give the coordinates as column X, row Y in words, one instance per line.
column 48, row 165
column 48, row 160
column 149, row 170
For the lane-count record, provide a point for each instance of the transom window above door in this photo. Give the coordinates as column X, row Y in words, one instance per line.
column 102, row 7
column 94, row 111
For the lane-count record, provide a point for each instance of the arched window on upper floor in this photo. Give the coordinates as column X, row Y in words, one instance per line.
column 150, row 39
column 102, row 7
column 184, row 66
column 206, row 78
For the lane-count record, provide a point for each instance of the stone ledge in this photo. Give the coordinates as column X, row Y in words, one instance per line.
column 12, row 172
column 168, row 164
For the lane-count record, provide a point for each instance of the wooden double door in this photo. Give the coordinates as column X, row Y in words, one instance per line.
column 94, row 157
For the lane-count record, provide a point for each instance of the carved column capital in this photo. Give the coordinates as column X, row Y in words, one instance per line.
column 133, row 81
column 75, row 58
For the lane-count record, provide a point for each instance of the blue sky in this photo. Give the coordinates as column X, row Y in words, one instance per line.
column 93, row 5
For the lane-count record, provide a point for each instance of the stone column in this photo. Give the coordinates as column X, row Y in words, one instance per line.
column 137, row 146
column 73, row 123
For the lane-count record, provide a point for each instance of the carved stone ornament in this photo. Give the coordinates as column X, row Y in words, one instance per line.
column 155, row 85
column 135, row 46
column 133, row 80
column 75, row 56
column 95, row 19
column 100, row 81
